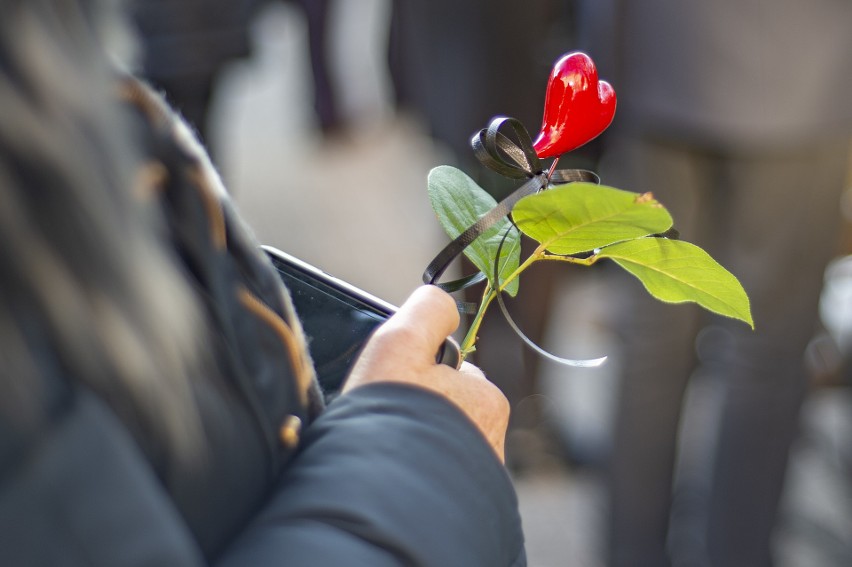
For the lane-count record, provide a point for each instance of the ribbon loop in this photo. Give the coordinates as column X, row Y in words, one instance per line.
column 496, row 151
column 562, row 176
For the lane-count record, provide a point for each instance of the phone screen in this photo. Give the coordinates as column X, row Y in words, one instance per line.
column 337, row 318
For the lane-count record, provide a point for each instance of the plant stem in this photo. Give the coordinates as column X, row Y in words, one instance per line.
column 467, row 345
column 570, row 259
column 469, row 341
column 552, row 168
column 488, row 296
column 539, row 252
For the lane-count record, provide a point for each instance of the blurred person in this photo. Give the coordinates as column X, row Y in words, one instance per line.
column 326, row 104
column 157, row 403
column 188, row 44
column 737, row 116
column 456, row 65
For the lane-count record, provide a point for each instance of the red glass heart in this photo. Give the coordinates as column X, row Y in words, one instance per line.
column 577, row 107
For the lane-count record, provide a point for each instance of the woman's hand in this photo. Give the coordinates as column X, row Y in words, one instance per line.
column 403, row 350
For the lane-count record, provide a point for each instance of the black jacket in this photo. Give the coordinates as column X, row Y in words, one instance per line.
column 385, row 475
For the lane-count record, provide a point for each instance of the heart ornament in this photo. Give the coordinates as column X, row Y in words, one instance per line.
column 577, row 106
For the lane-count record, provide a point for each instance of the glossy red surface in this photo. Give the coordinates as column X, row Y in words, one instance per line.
column 577, row 106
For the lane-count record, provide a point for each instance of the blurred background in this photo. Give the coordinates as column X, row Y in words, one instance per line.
column 324, row 119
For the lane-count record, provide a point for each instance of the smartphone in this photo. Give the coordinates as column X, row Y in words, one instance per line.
column 337, row 318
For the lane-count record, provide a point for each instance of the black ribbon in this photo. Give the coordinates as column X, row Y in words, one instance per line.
column 515, row 159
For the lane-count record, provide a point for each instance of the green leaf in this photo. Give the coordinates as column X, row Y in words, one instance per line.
column 580, row 217
column 675, row 271
column 459, row 202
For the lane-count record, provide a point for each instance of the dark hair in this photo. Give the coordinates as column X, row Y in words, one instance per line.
column 84, row 280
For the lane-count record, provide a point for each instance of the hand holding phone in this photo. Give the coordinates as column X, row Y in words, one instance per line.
column 402, row 351
column 337, row 318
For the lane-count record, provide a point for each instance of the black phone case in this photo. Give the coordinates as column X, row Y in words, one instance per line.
column 336, row 316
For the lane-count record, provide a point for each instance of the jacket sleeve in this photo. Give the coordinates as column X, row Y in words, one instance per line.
column 390, row 475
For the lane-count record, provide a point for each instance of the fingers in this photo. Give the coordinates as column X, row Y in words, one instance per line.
column 431, row 308
column 405, row 346
column 470, row 369
column 403, row 350
column 425, row 320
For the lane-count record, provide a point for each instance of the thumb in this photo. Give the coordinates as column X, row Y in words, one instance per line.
column 427, row 318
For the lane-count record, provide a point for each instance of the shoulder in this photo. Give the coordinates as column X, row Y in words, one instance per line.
column 79, row 482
